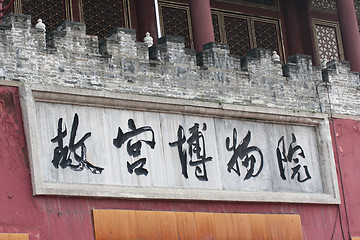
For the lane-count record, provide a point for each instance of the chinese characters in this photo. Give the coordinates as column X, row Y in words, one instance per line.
column 64, row 155
column 243, row 151
column 134, row 149
column 244, row 155
column 292, row 155
column 197, row 151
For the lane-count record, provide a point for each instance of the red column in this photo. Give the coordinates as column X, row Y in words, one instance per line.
column 1, row 13
column 298, row 27
column 293, row 32
column 146, row 19
column 202, row 28
column 349, row 32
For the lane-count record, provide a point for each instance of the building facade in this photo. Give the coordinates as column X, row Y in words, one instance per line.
column 240, row 122
column 322, row 29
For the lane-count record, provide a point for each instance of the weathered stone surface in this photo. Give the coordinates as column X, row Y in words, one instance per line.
column 69, row 57
column 343, row 88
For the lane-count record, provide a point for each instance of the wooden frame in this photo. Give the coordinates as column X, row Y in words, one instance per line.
column 180, row 6
column 277, row 23
column 312, row 8
column 277, row 7
column 127, row 13
column 222, row 14
column 69, row 13
column 250, row 19
column 338, row 37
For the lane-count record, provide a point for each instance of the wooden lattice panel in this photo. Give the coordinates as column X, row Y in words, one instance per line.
column 266, row 35
column 271, row 3
column 244, row 32
column 357, row 7
column 324, row 4
column 5, row 3
column 51, row 12
column 102, row 16
column 215, row 22
column 128, row 224
column 327, row 43
column 237, row 34
column 176, row 22
column 263, row 3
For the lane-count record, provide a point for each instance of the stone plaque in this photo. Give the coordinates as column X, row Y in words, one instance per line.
column 111, row 145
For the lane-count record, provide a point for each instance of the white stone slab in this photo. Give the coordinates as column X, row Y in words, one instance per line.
column 168, row 121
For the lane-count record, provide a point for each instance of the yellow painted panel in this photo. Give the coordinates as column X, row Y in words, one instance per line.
column 258, row 227
column 242, row 226
column 186, row 225
column 168, row 225
column 148, row 225
column 125, row 224
column 19, row 236
column 115, row 224
column 294, row 224
column 106, row 223
column 272, row 223
column 130, row 224
column 4, row 236
column 355, row 238
column 205, row 227
column 224, row 228
column 14, row 236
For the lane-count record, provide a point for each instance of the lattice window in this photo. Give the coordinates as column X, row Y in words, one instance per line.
column 237, row 34
column 243, row 32
column 5, row 3
column 51, row 12
column 102, row 16
column 176, row 22
column 99, row 16
column 357, row 7
column 266, row 35
column 215, row 22
column 328, row 41
column 324, row 4
column 263, row 3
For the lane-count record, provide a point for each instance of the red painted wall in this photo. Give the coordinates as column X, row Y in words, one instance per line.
column 347, row 157
column 62, row 218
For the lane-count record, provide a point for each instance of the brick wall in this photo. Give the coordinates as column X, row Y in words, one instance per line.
column 118, row 63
